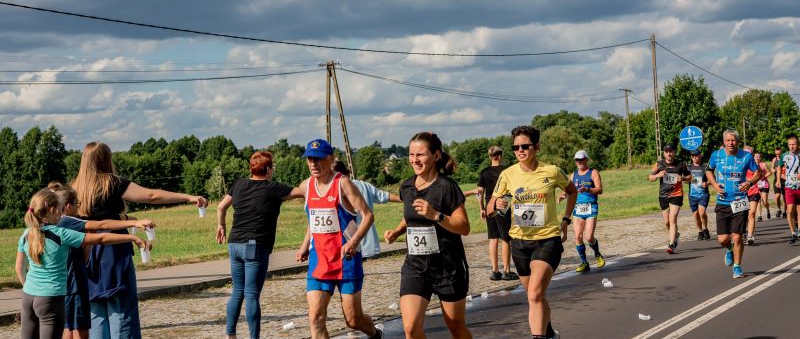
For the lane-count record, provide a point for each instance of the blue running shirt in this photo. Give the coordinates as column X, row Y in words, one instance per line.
column 730, row 171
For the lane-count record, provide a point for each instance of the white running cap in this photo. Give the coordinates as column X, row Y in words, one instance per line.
column 580, row 155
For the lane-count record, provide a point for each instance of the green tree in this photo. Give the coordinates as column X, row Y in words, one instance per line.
column 767, row 118
column 187, row 146
column 217, row 147
column 558, row 147
column 689, row 101
column 368, row 162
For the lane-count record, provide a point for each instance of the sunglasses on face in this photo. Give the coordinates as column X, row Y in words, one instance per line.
column 524, row 147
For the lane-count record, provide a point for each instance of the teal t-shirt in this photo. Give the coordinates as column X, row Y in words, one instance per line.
column 50, row 278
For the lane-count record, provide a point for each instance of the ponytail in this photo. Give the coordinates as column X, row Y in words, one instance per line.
column 44, row 204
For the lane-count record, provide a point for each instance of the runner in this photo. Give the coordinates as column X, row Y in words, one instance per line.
column 791, row 171
column 332, row 243
column 726, row 173
column 754, row 199
column 537, row 233
column 497, row 227
column 435, row 219
column 670, row 173
column 778, row 182
column 698, row 195
column 763, row 188
column 587, row 181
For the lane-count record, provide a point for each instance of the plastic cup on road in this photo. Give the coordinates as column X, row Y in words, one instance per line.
column 202, row 212
column 145, row 255
column 151, row 233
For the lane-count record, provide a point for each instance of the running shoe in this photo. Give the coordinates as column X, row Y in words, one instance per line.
column 583, row 267
column 759, row 219
column 510, row 276
column 792, row 239
column 708, row 235
column 701, row 236
column 600, row 261
column 378, row 334
column 768, row 216
column 728, row 258
column 671, row 249
column 496, row 276
column 778, row 214
column 737, row 272
column 555, row 336
column 751, row 240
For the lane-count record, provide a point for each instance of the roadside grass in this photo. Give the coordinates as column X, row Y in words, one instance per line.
column 183, row 237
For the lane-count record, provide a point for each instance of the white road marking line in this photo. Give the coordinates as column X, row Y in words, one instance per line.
column 730, row 304
column 636, row 255
column 683, row 315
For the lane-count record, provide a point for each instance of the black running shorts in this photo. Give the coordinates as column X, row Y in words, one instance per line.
column 525, row 251
column 497, row 227
column 754, row 197
column 728, row 223
column 664, row 202
column 449, row 289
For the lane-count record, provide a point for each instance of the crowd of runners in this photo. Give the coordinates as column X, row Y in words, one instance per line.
column 81, row 293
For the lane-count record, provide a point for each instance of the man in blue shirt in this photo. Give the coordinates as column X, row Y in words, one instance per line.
column 698, row 195
column 726, row 172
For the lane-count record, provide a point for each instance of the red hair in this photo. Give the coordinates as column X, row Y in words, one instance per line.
column 260, row 162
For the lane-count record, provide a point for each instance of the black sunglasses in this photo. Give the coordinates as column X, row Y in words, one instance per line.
column 524, row 147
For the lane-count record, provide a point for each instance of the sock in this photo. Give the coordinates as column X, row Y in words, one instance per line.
column 595, row 247
column 581, row 252
column 737, row 265
column 730, row 247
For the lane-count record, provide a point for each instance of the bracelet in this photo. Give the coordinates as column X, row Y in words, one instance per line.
column 568, row 220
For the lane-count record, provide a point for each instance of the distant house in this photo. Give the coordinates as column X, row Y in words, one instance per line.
column 393, row 157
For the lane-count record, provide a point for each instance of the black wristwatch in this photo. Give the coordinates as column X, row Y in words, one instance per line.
column 440, row 217
column 568, row 220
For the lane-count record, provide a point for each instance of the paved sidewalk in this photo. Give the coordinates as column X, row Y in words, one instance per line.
column 183, row 278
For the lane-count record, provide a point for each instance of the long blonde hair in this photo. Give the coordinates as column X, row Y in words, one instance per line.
column 94, row 177
column 43, row 207
column 66, row 195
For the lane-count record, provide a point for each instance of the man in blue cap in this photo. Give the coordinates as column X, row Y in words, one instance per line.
column 698, row 194
column 332, row 242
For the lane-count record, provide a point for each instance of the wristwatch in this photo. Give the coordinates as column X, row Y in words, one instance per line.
column 440, row 217
column 568, row 220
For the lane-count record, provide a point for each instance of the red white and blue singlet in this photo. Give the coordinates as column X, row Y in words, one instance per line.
column 331, row 226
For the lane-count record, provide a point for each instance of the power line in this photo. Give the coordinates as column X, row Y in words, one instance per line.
column 230, row 36
column 640, row 100
column 483, row 95
column 703, row 69
column 156, row 70
column 147, row 81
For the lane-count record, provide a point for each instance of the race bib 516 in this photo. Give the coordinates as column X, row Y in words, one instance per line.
column 323, row 220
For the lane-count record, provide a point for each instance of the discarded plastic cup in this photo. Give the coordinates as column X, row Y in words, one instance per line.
column 644, row 317
column 288, row 326
column 202, row 212
column 469, row 298
column 145, row 255
column 379, row 326
column 151, row 233
column 484, row 295
column 607, row 283
column 393, row 306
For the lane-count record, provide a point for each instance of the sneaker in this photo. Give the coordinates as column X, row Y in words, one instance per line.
column 496, row 276
column 759, row 219
column 708, row 235
column 671, row 249
column 792, row 239
column 510, row 276
column 737, row 272
column 555, row 336
column 600, row 261
column 378, row 334
column 751, row 240
column 768, row 216
column 728, row 258
column 583, row 267
column 701, row 236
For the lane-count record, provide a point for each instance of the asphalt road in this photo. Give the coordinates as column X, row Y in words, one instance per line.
column 690, row 294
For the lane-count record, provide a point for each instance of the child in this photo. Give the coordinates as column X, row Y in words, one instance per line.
column 78, row 312
column 46, row 246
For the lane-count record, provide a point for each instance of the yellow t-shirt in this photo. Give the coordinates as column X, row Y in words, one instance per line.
column 533, row 203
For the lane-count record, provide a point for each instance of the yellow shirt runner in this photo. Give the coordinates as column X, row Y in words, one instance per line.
column 533, row 202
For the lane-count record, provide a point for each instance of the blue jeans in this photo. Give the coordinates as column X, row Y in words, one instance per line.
column 249, row 264
column 117, row 317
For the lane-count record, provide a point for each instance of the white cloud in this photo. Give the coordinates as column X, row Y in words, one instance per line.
column 783, row 61
column 744, row 56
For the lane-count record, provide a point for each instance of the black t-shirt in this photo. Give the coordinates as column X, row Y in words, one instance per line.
column 488, row 180
column 443, row 195
column 111, row 207
column 676, row 168
column 256, row 205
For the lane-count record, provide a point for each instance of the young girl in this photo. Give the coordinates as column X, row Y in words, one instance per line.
column 78, row 312
column 46, row 246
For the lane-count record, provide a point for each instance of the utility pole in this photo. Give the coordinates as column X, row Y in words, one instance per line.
column 331, row 76
column 655, row 97
column 628, row 122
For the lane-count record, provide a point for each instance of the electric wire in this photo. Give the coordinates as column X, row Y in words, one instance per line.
column 641, row 100
column 157, row 70
column 147, row 81
column 701, row 68
column 293, row 43
column 483, row 95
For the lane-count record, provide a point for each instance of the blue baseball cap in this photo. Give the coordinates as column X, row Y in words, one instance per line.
column 695, row 152
column 318, row 148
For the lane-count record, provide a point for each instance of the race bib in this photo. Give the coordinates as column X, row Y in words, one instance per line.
column 763, row 184
column 740, row 205
column 323, row 220
column 583, row 209
column 697, row 180
column 422, row 240
column 792, row 179
column 671, row 178
column 529, row 215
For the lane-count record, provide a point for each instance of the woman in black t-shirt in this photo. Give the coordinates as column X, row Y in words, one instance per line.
column 434, row 219
column 257, row 203
column 109, row 268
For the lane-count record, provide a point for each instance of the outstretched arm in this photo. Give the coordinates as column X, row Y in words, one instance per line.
column 136, row 193
column 108, row 225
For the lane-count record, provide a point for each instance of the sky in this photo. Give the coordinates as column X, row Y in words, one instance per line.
column 751, row 43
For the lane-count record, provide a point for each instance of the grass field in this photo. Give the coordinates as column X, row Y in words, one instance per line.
column 183, row 237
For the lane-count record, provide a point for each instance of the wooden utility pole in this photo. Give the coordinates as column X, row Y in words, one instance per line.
column 628, row 122
column 655, row 97
column 331, row 76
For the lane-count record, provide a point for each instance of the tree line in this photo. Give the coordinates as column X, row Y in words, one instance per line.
column 207, row 167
